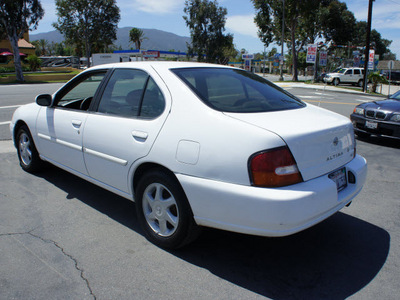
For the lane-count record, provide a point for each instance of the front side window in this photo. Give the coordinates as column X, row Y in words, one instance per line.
column 80, row 92
column 232, row 90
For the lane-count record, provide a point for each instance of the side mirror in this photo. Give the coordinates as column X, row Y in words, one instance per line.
column 44, row 99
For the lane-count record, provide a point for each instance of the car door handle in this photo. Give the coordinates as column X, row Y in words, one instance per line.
column 140, row 135
column 76, row 123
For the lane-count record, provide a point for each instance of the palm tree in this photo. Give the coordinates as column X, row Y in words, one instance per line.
column 43, row 44
column 136, row 36
column 376, row 78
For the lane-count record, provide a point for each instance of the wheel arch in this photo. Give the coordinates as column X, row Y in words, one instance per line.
column 147, row 167
column 16, row 128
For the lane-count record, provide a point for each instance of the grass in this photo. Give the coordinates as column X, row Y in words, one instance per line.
column 39, row 77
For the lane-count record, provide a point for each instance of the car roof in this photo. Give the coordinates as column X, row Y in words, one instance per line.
column 158, row 65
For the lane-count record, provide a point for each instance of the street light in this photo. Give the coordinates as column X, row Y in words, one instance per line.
column 282, row 39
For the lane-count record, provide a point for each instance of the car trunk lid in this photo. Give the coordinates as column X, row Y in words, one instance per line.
column 320, row 141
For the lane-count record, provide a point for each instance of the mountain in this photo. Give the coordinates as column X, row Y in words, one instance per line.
column 154, row 39
column 51, row 36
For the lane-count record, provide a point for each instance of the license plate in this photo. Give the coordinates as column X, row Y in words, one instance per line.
column 339, row 177
column 371, row 125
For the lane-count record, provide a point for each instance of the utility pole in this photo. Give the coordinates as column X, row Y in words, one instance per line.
column 282, row 39
column 366, row 60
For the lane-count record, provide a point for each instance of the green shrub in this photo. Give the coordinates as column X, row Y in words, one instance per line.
column 376, row 78
column 34, row 62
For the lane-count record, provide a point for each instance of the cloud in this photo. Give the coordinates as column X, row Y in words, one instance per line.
column 385, row 15
column 242, row 24
column 152, row 6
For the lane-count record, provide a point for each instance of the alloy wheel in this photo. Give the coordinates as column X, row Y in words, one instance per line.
column 160, row 210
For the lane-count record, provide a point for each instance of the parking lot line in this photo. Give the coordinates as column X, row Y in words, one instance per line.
column 10, row 106
column 329, row 102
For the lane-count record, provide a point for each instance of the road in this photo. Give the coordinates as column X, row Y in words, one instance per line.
column 64, row 238
column 14, row 95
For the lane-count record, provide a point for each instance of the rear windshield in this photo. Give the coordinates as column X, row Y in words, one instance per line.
column 232, row 90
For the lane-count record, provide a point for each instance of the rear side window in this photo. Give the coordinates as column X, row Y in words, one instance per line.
column 132, row 93
column 232, row 90
column 357, row 72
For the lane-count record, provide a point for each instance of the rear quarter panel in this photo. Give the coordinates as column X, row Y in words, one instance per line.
column 199, row 141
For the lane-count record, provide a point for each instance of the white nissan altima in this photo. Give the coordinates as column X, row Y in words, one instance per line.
column 195, row 145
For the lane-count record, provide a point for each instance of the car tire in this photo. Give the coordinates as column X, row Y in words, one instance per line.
column 336, row 81
column 163, row 210
column 27, row 153
column 360, row 83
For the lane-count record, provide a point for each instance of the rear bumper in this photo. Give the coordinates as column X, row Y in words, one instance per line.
column 270, row 212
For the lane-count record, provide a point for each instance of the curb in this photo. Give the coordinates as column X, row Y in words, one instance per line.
column 324, row 88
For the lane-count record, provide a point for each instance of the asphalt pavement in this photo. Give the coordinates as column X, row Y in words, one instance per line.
column 64, row 238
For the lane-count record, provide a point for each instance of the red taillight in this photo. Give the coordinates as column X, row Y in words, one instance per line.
column 274, row 168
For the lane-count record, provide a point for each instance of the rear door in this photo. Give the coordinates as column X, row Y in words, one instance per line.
column 128, row 118
column 357, row 75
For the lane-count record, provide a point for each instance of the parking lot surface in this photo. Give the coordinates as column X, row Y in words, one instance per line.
column 64, row 238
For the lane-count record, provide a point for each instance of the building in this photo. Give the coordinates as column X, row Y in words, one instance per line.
column 6, row 53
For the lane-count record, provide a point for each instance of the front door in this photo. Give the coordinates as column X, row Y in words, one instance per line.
column 60, row 127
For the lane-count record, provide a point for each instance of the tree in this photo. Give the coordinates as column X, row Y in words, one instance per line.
column 206, row 21
column 380, row 44
column 389, row 56
column 3, row 33
column 228, row 51
column 34, row 62
column 136, row 36
column 337, row 22
column 43, row 44
column 88, row 21
column 376, row 78
column 272, row 52
column 269, row 14
column 305, row 21
column 16, row 18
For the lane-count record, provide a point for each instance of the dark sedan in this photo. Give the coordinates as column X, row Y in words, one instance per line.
column 381, row 118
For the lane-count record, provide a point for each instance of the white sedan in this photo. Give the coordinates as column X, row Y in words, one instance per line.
column 195, row 145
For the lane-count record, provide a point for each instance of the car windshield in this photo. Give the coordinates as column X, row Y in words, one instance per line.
column 233, row 90
column 395, row 96
column 342, row 71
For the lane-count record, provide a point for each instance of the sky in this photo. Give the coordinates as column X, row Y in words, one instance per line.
column 167, row 15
